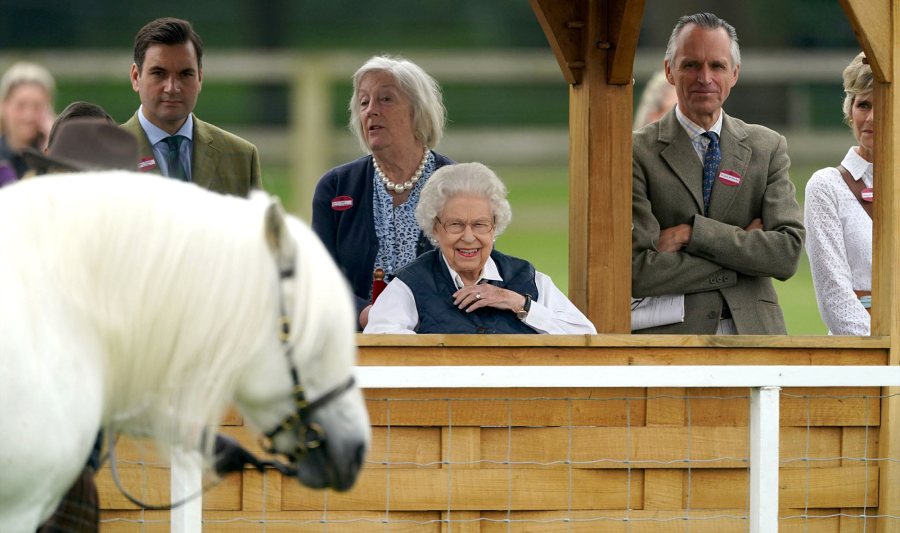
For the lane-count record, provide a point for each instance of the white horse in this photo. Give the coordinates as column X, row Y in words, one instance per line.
column 147, row 306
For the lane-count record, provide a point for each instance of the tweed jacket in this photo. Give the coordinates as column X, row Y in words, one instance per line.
column 221, row 161
column 722, row 262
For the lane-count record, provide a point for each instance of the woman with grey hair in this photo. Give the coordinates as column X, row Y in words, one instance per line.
column 26, row 113
column 466, row 286
column 657, row 99
column 364, row 211
column 838, row 216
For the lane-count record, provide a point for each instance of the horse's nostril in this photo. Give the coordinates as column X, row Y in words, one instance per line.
column 359, row 456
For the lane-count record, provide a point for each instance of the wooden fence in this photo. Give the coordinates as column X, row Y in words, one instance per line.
column 573, row 458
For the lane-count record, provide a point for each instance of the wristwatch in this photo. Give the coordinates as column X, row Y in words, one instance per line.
column 522, row 314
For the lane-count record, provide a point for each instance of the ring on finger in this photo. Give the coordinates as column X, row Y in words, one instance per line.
column 477, row 295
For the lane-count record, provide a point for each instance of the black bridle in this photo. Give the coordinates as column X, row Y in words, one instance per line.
column 309, row 434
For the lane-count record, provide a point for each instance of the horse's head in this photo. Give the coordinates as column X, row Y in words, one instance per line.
column 302, row 394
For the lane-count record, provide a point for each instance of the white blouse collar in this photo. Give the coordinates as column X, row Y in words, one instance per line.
column 858, row 167
column 489, row 272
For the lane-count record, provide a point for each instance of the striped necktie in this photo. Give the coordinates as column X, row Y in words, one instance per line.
column 710, row 167
column 176, row 169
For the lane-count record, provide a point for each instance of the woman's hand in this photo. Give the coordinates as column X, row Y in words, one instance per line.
column 478, row 296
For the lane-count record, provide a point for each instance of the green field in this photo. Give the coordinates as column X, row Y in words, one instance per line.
column 539, row 197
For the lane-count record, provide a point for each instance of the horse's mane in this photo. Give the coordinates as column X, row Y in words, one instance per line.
column 145, row 268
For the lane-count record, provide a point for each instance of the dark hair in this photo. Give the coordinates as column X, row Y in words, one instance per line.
column 168, row 31
column 78, row 109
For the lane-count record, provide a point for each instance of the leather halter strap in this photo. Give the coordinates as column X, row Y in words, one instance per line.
column 856, row 187
column 309, row 434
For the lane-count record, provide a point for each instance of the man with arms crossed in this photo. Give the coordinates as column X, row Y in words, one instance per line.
column 714, row 211
column 167, row 74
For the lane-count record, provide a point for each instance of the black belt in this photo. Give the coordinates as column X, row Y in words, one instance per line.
column 726, row 312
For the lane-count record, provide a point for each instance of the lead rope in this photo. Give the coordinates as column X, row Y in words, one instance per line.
column 113, row 438
column 231, row 458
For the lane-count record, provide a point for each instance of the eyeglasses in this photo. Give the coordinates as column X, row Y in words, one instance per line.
column 456, row 227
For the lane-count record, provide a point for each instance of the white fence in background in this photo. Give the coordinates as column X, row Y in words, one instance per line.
column 765, row 383
column 311, row 144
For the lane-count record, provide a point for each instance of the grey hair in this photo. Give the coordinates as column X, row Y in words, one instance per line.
column 858, row 79
column 652, row 99
column 707, row 21
column 462, row 179
column 424, row 93
column 23, row 73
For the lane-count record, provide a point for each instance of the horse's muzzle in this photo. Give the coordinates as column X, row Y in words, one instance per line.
column 319, row 470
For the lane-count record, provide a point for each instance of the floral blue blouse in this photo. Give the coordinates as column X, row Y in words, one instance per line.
column 396, row 227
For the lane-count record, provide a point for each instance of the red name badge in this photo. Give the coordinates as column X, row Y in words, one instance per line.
column 341, row 203
column 868, row 194
column 146, row 164
column 730, row 178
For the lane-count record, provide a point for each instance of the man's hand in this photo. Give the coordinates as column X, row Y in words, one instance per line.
column 674, row 239
column 364, row 316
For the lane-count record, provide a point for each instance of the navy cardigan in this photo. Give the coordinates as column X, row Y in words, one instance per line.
column 342, row 216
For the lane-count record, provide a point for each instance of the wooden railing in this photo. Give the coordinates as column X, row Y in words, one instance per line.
column 624, row 442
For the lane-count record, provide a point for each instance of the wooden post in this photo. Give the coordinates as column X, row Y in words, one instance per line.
column 594, row 43
column 885, row 318
column 310, row 132
column 878, row 36
column 873, row 22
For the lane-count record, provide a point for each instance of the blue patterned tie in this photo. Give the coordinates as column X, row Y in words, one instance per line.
column 710, row 167
column 176, row 169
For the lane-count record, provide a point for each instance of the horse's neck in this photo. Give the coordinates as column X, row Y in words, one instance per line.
column 179, row 357
column 159, row 285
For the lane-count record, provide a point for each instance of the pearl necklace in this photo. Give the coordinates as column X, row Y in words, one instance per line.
column 400, row 187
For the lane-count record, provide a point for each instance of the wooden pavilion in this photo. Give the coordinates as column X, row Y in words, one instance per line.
column 594, row 42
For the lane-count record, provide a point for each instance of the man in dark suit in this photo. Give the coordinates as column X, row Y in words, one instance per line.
column 714, row 211
column 168, row 74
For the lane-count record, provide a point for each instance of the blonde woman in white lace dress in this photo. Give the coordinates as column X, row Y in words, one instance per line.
column 838, row 229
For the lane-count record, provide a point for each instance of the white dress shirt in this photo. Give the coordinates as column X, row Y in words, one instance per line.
column 395, row 310
column 695, row 132
column 839, row 245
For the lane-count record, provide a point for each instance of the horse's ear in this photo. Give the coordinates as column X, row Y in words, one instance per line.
column 276, row 229
column 279, row 238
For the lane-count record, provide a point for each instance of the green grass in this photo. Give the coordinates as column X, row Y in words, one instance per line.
column 539, row 197
column 797, row 296
column 539, row 231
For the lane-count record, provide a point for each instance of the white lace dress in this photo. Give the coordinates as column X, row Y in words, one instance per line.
column 839, row 245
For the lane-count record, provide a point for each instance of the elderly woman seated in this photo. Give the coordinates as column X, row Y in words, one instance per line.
column 466, row 286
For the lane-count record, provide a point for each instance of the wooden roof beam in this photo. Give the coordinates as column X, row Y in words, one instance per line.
column 564, row 23
column 871, row 21
column 624, row 26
